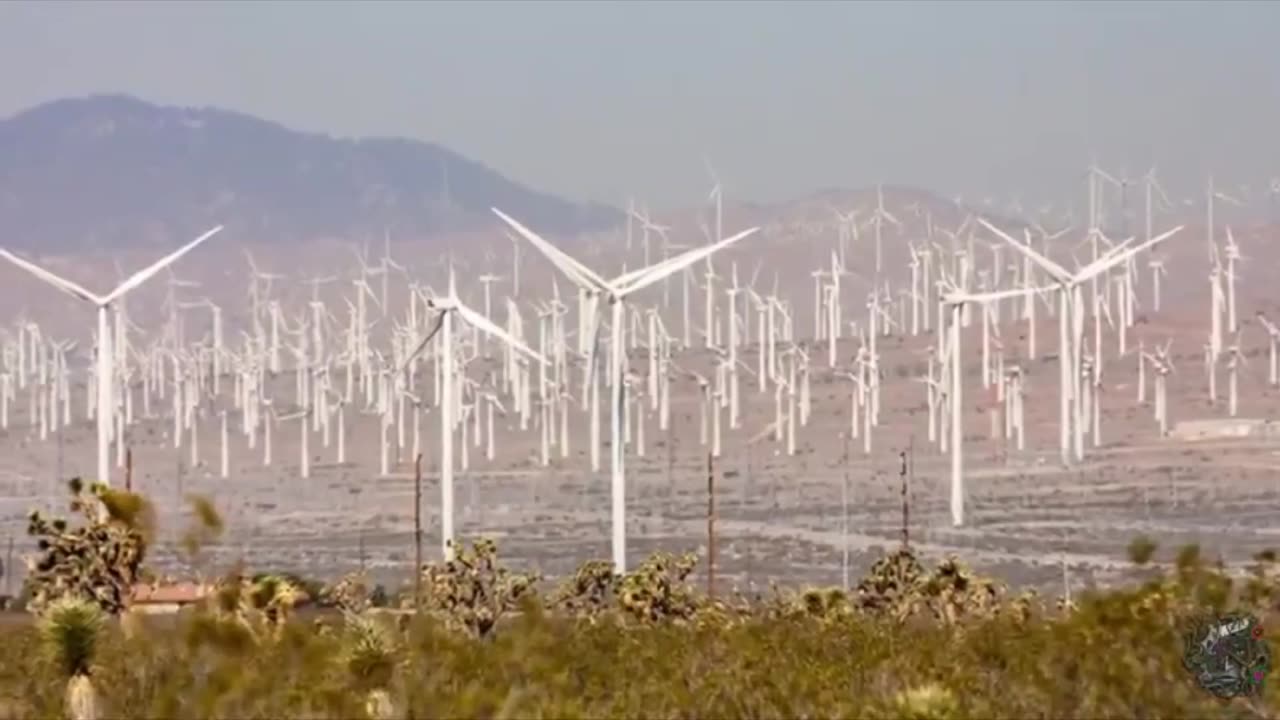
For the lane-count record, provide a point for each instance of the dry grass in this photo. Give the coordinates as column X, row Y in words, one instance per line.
column 889, row 650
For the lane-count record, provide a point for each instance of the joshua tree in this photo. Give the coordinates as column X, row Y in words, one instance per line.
column 70, row 629
column 99, row 561
column 351, row 593
column 899, row 587
column 473, row 591
column 262, row 604
column 655, row 591
column 369, row 656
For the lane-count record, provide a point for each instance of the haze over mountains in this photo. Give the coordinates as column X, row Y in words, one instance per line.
column 111, row 170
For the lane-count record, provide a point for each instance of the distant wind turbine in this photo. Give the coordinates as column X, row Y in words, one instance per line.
column 447, row 306
column 616, row 291
column 105, row 366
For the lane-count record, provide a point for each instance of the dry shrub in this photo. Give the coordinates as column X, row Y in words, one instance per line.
column 912, row 641
column 352, row 593
column 1118, row 655
column 473, row 591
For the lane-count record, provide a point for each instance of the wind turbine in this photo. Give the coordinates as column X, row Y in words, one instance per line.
column 878, row 216
column 105, row 365
column 447, row 306
column 1071, row 315
column 1212, row 194
column 955, row 299
column 717, row 194
column 616, row 291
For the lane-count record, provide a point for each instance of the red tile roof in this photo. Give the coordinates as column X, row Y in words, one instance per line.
column 178, row 593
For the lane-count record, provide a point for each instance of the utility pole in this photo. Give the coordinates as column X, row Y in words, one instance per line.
column 711, row 526
column 747, row 501
column 8, row 570
column 417, row 529
column 671, row 461
column 844, row 518
column 360, row 558
column 906, row 502
column 58, row 473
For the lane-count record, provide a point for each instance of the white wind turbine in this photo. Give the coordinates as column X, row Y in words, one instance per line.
column 1153, row 191
column 717, row 194
column 955, row 300
column 447, row 306
column 105, row 365
column 1234, row 362
column 1071, row 315
column 615, row 292
column 1212, row 194
column 1273, row 336
column 1163, row 365
column 878, row 216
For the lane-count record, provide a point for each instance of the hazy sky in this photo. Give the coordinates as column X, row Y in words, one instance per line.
column 605, row 99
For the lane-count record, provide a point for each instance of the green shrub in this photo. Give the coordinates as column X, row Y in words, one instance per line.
column 912, row 641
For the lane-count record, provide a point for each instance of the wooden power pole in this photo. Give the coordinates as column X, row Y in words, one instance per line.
column 711, row 526
column 417, row 529
column 906, row 503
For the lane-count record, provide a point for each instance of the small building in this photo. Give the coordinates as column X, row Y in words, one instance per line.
column 167, row 598
column 1223, row 428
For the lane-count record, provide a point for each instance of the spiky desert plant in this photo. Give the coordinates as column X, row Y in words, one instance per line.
column 891, row 588
column 260, row 606
column 1261, row 587
column 273, row 597
column 658, row 590
column 589, row 592
column 352, row 593
column 826, row 605
column 370, row 658
column 1023, row 607
column 953, row 592
column 473, row 591
column 101, row 559
column 926, row 702
column 71, row 630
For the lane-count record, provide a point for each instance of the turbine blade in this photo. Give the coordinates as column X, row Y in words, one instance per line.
column 579, row 273
column 755, row 274
column 62, row 284
column 996, row 295
column 422, row 345
column 1108, row 261
column 483, row 323
column 1053, row 268
column 146, row 273
column 592, row 353
column 669, row 267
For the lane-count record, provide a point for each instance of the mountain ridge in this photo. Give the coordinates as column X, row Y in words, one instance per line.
column 106, row 170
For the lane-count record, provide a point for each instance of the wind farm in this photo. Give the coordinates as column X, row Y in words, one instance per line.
column 1037, row 386
column 576, row 360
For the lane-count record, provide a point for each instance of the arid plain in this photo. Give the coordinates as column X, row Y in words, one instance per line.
column 778, row 518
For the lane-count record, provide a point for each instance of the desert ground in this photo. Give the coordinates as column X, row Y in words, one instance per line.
column 791, row 520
